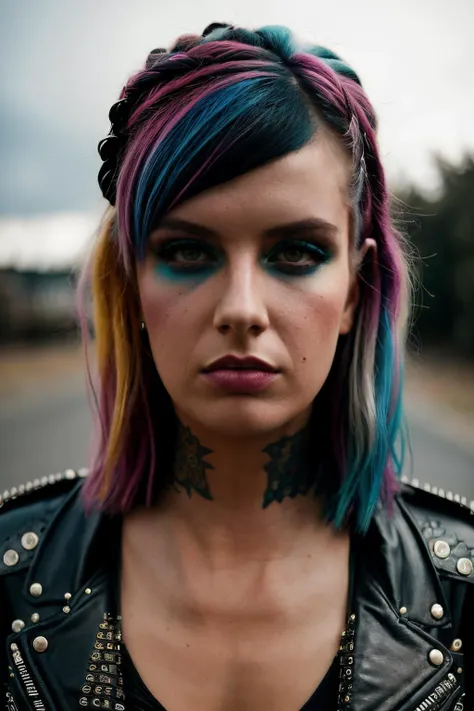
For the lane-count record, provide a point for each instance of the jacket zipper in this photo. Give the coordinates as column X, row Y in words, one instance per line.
column 31, row 690
column 443, row 692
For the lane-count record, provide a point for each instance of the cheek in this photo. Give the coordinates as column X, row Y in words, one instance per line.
column 313, row 322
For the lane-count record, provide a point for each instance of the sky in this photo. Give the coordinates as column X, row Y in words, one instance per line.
column 63, row 65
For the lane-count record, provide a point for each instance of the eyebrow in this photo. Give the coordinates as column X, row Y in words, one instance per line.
column 289, row 229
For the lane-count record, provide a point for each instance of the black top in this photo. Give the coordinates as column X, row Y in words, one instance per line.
column 323, row 699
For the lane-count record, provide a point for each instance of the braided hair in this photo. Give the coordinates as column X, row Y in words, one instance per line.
column 214, row 107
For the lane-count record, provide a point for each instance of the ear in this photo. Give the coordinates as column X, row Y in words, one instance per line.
column 366, row 252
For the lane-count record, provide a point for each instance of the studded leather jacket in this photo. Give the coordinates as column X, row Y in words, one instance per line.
column 409, row 646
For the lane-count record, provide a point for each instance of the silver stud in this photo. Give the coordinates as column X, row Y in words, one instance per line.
column 40, row 644
column 13, row 492
column 70, row 474
column 11, row 558
column 21, row 489
column 29, row 540
column 441, row 493
column 35, row 618
column 28, row 486
column 471, row 506
column 66, row 609
column 404, row 479
column 52, row 478
column 87, row 591
column 17, row 625
column 449, row 495
column 6, row 495
column 436, row 657
column 437, row 611
column 67, row 596
column 459, row 670
column 457, row 498
column 464, row 566
column 403, row 610
column 456, row 645
column 463, row 500
column 427, row 487
column 434, row 490
column 415, row 483
column 36, row 590
column 83, row 473
column 441, row 549
column 44, row 480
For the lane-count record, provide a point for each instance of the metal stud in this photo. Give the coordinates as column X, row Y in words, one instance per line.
column 449, row 495
column 464, row 566
column 427, row 487
column 463, row 501
column 441, row 549
column 457, row 498
column 36, row 590
column 11, row 558
column 456, row 645
column 29, row 540
column 87, row 591
column 437, row 611
column 471, row 506
column 17, row 625
column 403, row 610
column 70, row 474
column 66, row 609
column 415, row 483
column 434, row 490
column 67, row 596
column 441, row 493
column 436, row 657
column 35, row 617
column 459, row 670
column 40, row 644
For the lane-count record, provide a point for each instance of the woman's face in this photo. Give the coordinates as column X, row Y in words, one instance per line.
column 259, row 266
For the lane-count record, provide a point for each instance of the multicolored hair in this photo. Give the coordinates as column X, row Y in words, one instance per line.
column 213, row 108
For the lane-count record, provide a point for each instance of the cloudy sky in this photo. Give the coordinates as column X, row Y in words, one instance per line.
column 63, row 64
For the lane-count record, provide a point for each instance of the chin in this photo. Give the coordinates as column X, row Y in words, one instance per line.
column 242, row 415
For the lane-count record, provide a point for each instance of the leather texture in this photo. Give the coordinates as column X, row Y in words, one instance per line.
column 403, row 658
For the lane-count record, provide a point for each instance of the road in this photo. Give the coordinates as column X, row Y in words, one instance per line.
column 47, row 431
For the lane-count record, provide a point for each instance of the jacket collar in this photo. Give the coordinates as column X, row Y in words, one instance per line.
column 389, row 668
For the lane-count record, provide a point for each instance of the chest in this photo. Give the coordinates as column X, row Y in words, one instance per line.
column 241, row 656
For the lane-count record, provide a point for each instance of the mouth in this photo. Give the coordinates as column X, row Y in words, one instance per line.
column 231, row 362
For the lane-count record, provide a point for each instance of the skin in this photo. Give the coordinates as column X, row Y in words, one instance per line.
column 230, row 601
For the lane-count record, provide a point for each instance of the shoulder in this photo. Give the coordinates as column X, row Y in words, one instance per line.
column 446, row 523
column 26, row 511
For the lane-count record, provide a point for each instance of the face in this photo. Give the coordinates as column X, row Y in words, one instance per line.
column 260, row 266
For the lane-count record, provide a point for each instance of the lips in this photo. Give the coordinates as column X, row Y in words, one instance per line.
column 231, row 362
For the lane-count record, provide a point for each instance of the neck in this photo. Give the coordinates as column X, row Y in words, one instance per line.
column 249, row 496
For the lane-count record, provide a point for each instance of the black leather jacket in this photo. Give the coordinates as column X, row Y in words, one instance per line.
column 60, row 640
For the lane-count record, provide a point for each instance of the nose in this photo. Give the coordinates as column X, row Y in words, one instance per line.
column 241, row 308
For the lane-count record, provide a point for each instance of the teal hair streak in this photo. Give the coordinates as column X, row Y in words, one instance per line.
column 363, row 482
column 230, row 131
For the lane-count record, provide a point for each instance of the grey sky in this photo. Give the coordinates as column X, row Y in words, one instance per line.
column 63, row 64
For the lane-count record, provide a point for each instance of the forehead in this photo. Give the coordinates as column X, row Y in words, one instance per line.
column 311, row 182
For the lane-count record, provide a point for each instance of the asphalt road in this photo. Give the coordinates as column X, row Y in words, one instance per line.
column 47, row 431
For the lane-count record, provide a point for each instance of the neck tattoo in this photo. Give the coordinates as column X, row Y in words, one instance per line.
column 288, row 473
column 190, row 466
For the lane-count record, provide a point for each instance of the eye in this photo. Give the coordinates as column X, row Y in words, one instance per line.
column 297, row 257
column 184, row 254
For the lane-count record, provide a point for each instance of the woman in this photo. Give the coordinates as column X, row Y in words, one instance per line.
column 241, row 540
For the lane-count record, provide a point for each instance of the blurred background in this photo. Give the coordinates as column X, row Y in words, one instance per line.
column 63, row 65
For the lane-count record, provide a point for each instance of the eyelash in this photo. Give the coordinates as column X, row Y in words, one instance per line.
column 166, row 252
